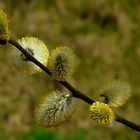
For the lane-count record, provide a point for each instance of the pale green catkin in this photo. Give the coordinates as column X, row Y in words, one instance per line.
column 62, row 62
column 116, row 93
column 54, row 108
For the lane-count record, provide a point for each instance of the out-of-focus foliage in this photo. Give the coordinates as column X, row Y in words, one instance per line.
column 105, row 36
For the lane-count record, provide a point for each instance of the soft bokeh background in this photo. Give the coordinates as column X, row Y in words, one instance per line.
column 105, row 35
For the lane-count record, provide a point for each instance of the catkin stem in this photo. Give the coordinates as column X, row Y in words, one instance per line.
column 76, row 93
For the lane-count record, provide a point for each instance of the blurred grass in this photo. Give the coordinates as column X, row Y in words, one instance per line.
column 105, row 36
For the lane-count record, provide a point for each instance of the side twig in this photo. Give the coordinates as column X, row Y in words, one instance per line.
column 76, row 93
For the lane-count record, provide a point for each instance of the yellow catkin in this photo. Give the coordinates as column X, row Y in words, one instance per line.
column 62, row 62
column 101, row 113
column 54, row 109
column 36, row 48
column 4, row 31
column 116, row 93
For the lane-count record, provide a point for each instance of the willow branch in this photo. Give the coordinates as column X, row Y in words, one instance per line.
column 76, row 93
column 128, row 123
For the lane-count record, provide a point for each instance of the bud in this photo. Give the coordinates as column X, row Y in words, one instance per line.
column 116, row 93
column 4, row 32
column 36, row 48
column 101, row 113
column 54, row 108
column 62, row 63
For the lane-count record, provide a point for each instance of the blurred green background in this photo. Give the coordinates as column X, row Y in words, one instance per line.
column 105, row 35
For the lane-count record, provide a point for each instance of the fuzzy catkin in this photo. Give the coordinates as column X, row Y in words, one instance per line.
column 116, row 93
column 101, row 113
column 54, row 108
column 36, row 48
column 62, row 62
column 4, row 31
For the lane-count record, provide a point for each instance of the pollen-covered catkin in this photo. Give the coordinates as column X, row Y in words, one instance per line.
column 101, row 113
column 36, row 48
column 116, row 93
column 54, row 108
column 4, row 31
column 62, row 62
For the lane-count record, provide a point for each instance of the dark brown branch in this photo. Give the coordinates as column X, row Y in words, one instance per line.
column 76, row 93
column 128, row 123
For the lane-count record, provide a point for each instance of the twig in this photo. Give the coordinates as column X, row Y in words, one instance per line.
column 76, row 93
column 128, row 123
